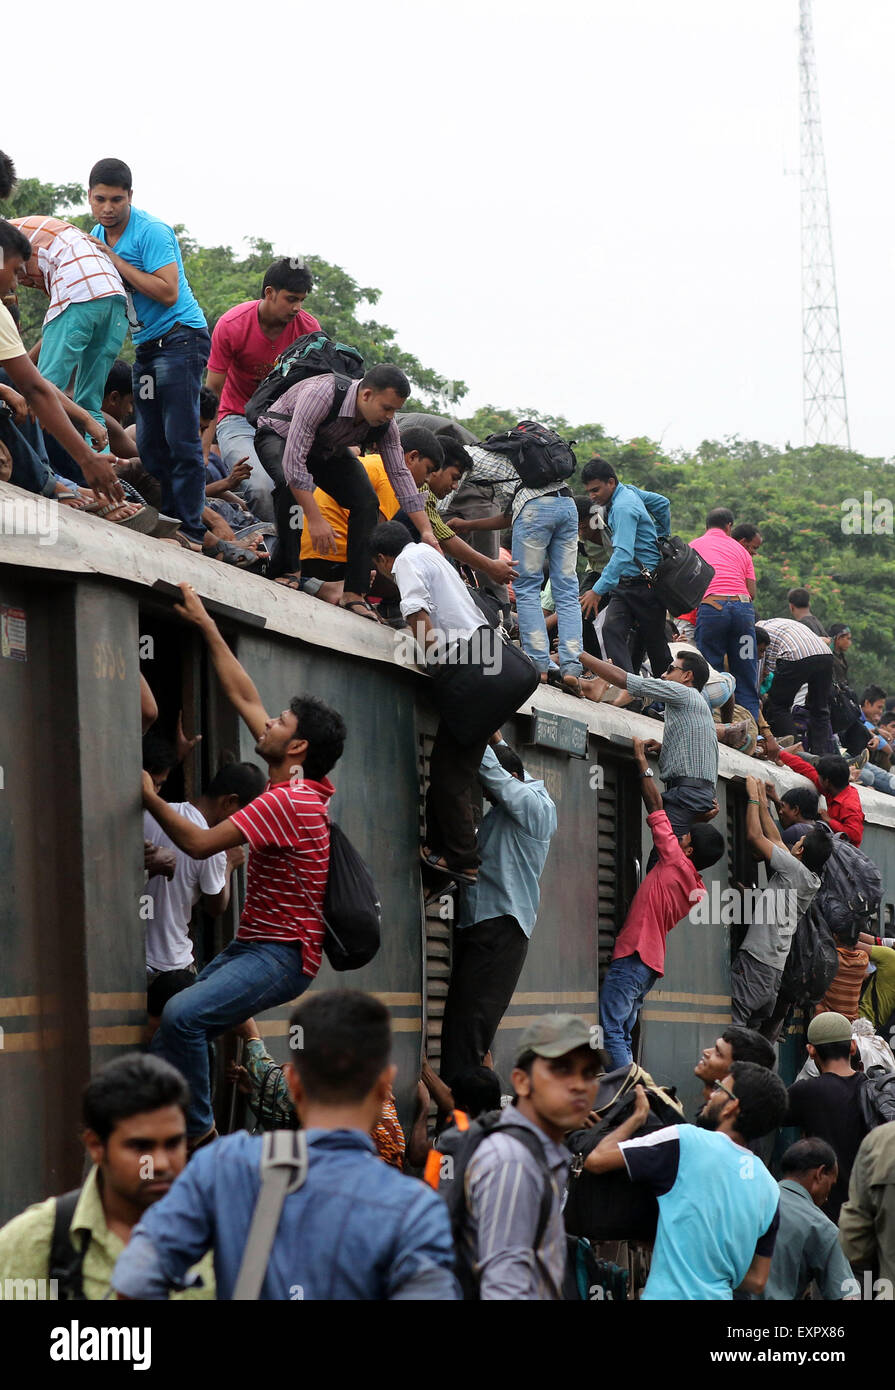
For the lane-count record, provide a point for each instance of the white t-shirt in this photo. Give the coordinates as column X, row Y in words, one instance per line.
column 168, row 944
column 427, row 581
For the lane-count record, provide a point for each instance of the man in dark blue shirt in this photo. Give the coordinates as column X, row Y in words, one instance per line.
column 356, row 1228
column 635, row 617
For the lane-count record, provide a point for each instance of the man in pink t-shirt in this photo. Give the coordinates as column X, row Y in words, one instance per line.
column 667, row 894
column 245, row 343
column 725, row 619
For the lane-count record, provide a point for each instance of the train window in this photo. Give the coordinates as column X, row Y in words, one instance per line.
column 888, row 918
column 620, row 860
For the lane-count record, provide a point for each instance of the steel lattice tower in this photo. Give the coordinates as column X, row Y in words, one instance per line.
column 823, row 379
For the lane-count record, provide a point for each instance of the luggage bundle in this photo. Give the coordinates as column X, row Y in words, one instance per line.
column 608, row 1206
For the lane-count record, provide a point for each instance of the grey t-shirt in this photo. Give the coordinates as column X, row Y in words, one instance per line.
column 776, row 910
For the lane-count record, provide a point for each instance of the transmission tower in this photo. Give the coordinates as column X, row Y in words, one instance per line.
column 823, row 379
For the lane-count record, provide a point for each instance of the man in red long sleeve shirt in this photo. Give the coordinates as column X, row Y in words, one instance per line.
column 843, row 811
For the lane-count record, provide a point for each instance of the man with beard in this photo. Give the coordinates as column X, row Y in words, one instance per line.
column 718, row 1203
column 276, row 953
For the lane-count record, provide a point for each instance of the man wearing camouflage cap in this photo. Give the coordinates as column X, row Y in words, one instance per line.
column 555, row 1080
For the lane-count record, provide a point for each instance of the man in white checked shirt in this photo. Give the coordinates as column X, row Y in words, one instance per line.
column 87, row 320
column 797, row 657
column 276, row 953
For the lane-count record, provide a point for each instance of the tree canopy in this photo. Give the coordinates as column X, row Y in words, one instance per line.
column 825, row 514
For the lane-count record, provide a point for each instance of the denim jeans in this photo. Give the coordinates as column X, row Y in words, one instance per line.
column 547, row 527
column 167, row 379
column 730, row 631
column 872, row 776
column 236, row 438
column 627, row 983
column 29, row 470
column 245, row 979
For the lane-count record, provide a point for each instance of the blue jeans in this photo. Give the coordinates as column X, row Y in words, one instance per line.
column 236, row 438
column 245, row 979
column 730, row 632
column 29, row 470
column 167, row 380
column 872, row 776
column 547, row 527
column 627, row 983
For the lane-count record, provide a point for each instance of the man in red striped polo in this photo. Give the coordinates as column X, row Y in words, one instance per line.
column 276, row 953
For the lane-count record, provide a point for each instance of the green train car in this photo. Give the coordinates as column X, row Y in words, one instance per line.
column 83, row 607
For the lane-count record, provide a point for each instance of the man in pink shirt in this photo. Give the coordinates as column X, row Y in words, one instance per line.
column 725, row 619
column 666, row 895
column 245, row 343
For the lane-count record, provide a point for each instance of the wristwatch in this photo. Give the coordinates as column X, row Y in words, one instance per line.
column 647, row 772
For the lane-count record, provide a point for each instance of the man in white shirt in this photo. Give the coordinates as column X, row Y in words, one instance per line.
column 478, row 682
column 169, row 950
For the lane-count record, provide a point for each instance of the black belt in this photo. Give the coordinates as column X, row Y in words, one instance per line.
column 628, row 580
column 560, row 492
column 671, row 782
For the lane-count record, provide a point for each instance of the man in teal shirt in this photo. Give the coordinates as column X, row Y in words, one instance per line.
column 172, row 341
column 496, row 916
column 807, row 1248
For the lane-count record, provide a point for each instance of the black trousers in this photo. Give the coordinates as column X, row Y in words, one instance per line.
column 450, row 823
column 340, row 474
column 817, row 671
column 634, row 612
column 269, row 446
column 487, row 962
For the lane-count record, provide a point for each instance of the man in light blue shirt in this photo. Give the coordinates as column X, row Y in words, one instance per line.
column 171, row 338
column 718, row 1204
column 635, row 617
column 496, row 916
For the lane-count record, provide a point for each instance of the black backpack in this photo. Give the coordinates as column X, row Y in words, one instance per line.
column 313, row 354
column 878, row 1097
column 608, row 1206
column 352, row 913
column 66, row 1262
column 681, row 577
column 851, row 887
column 457, row 1147
column 538, row 454
column 812, row 963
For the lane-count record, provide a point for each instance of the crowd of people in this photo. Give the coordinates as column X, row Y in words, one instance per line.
column 329, row 487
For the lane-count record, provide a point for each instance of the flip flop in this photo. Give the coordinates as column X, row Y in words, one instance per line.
column 143, row 520
column 166, row 527
column 360, row 605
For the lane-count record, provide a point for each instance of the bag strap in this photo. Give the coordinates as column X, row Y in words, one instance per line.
column 530, row 1142
column 66, row 1262
column 341, row 391
column 284, row 1167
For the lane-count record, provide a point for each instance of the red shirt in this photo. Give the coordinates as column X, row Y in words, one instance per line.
column 731, row 562
column 241, row 349
column 665, row 896
column 287, row 830
column 843, row 810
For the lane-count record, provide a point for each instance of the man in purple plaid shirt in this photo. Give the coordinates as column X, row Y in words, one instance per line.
column 318, row 430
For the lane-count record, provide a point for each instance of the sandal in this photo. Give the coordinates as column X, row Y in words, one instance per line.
column 361, row 606
column 166, row 527
column 570, row 684
column 72, row 496
column 438, row 865
column 230, row 554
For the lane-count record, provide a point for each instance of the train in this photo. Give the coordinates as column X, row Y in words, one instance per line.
column 84, row 607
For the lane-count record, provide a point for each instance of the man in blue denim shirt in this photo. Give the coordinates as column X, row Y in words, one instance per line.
column 497, row 915
column 636, row 520
column 171, row 338
column 356, row 1229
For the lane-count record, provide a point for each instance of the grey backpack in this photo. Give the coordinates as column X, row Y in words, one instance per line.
column 284, row 1167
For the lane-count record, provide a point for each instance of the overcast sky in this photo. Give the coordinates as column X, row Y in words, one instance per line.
column 586, row 206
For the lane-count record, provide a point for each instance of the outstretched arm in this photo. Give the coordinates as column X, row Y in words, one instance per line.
column 235, row 681
column 652, row 797
column 754, row 832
